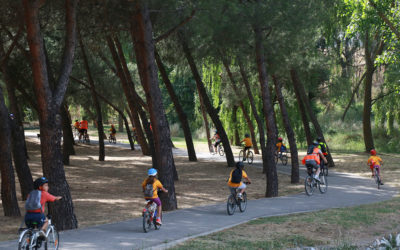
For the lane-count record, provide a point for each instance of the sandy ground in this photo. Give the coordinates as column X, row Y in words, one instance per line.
column 110, row 191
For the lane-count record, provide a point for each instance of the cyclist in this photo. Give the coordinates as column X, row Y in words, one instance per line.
column 83, row 128
column 235, row 179
column 313, row 158
column 324, row 149
column 150, row 188
column 247, row 145
column 375, row 161
column 113, row 131
column 217, row 139
column 280, row 147
column 77, row 125
column 38, row 215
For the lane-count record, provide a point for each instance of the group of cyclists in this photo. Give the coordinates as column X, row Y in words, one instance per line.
column 83, row 125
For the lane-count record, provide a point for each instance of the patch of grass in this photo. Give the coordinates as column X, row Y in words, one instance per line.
column 276, row 220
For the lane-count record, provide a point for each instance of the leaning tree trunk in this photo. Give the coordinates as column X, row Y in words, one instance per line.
column 48, row 103
column 178, row 108
column 295, row 177
column 271, row 173
column 68, row 137
column 144, row 51
column 235, row 126
column 207, row 103
column 100, row 128
column 311, row 114
column 8, row 192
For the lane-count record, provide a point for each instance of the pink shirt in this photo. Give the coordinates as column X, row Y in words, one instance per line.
column 45, row 197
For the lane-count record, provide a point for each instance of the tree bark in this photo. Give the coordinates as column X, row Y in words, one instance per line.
column 48, row 103
column 295, row 176
column 68, row 137
column 178, row 108
column 144, row 50
column 100, row 128
column 120, row 124
column 271, row 173
column 235, row 127
column 8, row 191
column 207, row 103
column 352, row 96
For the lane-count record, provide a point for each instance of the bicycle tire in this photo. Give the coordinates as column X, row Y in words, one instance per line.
column 110, row 139
column 309, row 185
column 25, row 239
column 284, row 159
column 221, row 151
column 231, row 204
column 323, row 183
column 146, row 222
column 250, row 157
column 53, row 239
column 156, row 226
column 276, row 158
column 243, row 202
column 212, row 150
column 241, row 155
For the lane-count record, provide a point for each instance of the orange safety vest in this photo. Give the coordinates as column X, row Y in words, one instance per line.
column 314, row 156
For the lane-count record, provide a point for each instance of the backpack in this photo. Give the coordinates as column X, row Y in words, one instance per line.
column 236, row 176
column 148, row 191
column 310, row 149
column 113, row 131
column 33, row 200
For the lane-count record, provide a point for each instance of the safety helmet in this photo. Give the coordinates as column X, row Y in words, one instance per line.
column 319, row 139
column 373, row 152
column 246, row 135
column 152, row 172
column 239, row 164
column 40, row 182
column 280, row 139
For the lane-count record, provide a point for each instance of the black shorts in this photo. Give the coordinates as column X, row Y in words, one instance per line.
column 245, row 148
column 216, row 143
column 312, row 164
column 82, row 131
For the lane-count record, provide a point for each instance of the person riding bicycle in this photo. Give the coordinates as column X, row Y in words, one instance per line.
column 324, row 149
column 150, row 188
column 37, row 216
column 280, row 147
column 77, row 125
column 248, row 144
column 235, row 179
column 313, row 158
column 113, row 131
column 375, row 161
column 83, row 128
column 217, row 139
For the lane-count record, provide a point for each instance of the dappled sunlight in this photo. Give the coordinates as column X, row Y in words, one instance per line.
column 106, row 201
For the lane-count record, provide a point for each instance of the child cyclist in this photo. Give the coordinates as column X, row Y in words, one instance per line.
column 375, row 161
column 280, row 147
column 150, row 187
column 235, row 179
column 37, row 216
column 247, row 145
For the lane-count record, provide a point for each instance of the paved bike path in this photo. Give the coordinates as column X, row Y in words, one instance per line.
column 344, row 190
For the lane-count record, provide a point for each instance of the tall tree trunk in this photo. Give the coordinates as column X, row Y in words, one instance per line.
column 49, row 102
column 8, row 192
column 241, row 105
column 207, row 103
column 235, row 129
column 100, row 128
column 311, row 114
column 144, row 50
column 120, row 123
column 295, row 177
column 178, row 108
column 133, row 105
column 256, row 115
column 302, row 109
column 68, row 137
column 205, row 120
column 17, row 133
column 271, row 173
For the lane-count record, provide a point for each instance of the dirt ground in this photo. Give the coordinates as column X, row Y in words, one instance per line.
column 110, row 191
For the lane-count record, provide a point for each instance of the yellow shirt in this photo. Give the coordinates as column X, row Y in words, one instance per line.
column 279, row 145
column 235, row 185
column 247, row 142
column 374, row 160
column 157, row 184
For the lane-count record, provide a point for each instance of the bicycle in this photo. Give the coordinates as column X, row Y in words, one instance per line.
column 76, row 132
column 249, row 157
column 310, row 184
column 234, row 201
column 377, row 177
column 324, row 168
column 85, row 138
column 112, row 139
column 282, row 156
column 29, row 237
column 220, row 150
column 149, row 216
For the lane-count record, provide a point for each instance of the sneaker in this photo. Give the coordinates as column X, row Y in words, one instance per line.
column 316, row 177
column 240, row 196
column 42, row 235
column 158, row 221
column 381, row 183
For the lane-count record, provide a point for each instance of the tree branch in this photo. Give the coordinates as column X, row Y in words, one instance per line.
column 381, row 96
column 11, row 48
column 172, row 30
column 385, row 19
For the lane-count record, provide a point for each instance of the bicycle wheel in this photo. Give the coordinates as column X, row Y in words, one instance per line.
column 241, row 155
column 243, row 203
column 156, row 226
column 276, row 158
column 53, row 238
column 377, row 179
column 250, row 157
column 110, row 139
column 323, row 183
column 284, row 159
column 114, row 140
column 231, row 205
column 212, row 149
column 309, row 185
column 221, row 151
column 25, row 240
column 146, row 222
